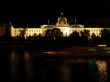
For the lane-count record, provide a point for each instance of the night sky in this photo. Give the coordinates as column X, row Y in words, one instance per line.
column 38, row 12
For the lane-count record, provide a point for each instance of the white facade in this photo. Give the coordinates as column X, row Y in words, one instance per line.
column 62, row 24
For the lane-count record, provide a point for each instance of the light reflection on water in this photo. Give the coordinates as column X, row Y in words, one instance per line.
column 102, row 70
column 26, row 67
column 65, row 73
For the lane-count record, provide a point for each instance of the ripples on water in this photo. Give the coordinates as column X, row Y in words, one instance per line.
column 22, row 65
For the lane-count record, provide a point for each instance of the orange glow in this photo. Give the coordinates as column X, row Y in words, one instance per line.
column 13, row 56
column 50, row 52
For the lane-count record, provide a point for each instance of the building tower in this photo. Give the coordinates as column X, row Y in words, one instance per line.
column 62, row 21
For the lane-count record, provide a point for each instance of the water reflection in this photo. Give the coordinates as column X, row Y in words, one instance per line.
column 65, row 73
column 17, row 66
column 14, row 63
column 102, row 69
column 93, row 70
column 4, row 65
column 28, row 68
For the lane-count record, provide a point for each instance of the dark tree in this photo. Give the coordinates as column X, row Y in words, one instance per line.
column 48, row 33
column 87, row 33
column 84, row 36
column 74, row 37
column 22, row 33
column 34, row 35
column 95, row 39
column 105, row 36
column 56, row 33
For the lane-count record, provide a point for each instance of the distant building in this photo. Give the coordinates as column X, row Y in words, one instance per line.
column 61, row 23
column 5, row 29
column 2, row 31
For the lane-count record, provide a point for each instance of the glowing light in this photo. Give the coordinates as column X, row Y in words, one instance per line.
column 57, row 52
column 61, row 23
column 50, row 52
column 92, row 49
column 108, row 52
column 66, row 31
column 102, row 45
column 13, row 56
column 102, row 67
column 107, row 48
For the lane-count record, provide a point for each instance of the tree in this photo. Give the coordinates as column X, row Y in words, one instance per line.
column 34, row 35
column 105, row 36
column 74, row 34
column 22, row 33
column 95, row 39
column 74, row 38
column 48, row 33
column 87, row 33
column 56, row 33
column 85, row 36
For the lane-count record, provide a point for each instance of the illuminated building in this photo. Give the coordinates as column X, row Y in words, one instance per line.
column 62, row 24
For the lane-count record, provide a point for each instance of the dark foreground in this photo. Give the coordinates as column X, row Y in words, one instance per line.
column 77, row 64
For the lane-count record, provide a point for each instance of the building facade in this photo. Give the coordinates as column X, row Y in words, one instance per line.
column 61, row 24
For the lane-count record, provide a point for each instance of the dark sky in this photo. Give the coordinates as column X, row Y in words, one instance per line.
column 39, row 11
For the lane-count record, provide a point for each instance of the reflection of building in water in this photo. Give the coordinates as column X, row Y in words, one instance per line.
column 102, row 67
column 62, row 24
column 28, row 65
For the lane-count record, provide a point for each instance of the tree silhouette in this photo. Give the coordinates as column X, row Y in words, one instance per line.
column 34, row 35
column 22, row 33
column 56, row 33
column 48, row 33
column 105, row 36
column 87, row 33
column 95, row 39
column 84, row 36
column 74, row 37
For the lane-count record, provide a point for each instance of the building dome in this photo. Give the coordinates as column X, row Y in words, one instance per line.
column 61, row 20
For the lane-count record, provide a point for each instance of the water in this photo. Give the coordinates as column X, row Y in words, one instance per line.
column 22, row 65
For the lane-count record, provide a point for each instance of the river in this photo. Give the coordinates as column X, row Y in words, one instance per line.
column 22, row 65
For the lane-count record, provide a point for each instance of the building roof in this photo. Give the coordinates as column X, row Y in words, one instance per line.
column 62, row 20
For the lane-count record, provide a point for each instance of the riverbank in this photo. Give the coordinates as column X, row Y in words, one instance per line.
column 40, row 46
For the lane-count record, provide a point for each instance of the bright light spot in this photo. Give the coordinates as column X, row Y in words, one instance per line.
column 92, row 49
column 56, row 52
column 50, row 52
column 108, row 52
column 66, row 31
column 102, row 45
